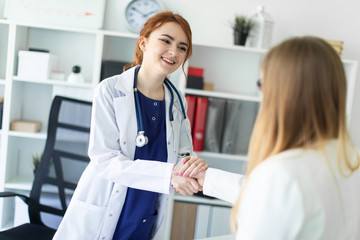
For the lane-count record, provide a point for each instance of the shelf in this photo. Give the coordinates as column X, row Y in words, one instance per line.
column 231, row 47
column 222, row 95
column 38, row 135
column 120, row 34
column 201, row 200
column 222, row 156
column 20, row 183
column 58, row 27
column 349, row 61
column 4, row 21
column 24, row 183
column 54, row 82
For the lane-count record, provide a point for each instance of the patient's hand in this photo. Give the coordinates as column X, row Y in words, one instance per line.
column 200, row 178
column 192, row 166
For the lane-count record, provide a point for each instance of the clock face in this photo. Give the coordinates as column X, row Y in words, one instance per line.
column 138, row 11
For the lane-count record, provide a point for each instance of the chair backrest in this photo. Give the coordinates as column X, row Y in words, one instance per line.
column 64, row 157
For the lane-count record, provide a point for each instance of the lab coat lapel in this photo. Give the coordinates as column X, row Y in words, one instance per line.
column 126, row 113
column 172, row 128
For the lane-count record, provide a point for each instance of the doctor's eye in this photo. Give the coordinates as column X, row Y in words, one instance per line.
column 165, row 41
column 182, row 48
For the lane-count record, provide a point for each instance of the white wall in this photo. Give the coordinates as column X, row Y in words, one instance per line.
column 331, row 19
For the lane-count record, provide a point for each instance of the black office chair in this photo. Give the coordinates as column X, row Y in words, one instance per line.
column 63, row 161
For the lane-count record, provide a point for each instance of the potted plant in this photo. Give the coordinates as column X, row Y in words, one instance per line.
column 242, row 27
column 36, row 161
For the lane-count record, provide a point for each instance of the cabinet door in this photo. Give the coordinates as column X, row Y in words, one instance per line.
column 4, row 33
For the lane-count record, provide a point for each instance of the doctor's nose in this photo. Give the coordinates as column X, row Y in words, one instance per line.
column 173, row 50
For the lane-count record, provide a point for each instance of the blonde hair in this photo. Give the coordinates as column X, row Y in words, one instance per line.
column 304, row 99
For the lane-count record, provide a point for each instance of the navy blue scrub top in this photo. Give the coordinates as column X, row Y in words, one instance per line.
column 140, row 208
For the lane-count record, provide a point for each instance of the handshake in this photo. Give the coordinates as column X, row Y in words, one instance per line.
column 188, row 177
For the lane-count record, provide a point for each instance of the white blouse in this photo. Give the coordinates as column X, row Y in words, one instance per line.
column 293, row 195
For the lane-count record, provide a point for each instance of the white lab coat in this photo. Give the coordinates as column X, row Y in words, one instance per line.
column 100, row 194
column 293, row 195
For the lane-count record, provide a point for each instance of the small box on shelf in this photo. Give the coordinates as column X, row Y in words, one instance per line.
column 36, row 65
column 208, row 86
column 25, row 126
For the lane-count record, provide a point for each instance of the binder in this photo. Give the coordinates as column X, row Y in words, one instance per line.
column 239, row 121
column 214, row 124
column 199, row 123
column 191, row 107
column 1, row 111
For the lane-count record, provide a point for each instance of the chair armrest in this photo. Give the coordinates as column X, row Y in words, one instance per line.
column 12, row 194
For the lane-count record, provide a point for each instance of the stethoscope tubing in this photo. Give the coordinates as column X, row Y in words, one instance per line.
column 171, row 88
column 137, row 103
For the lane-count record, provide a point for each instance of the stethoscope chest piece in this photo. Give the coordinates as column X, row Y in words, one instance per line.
column 141, row 140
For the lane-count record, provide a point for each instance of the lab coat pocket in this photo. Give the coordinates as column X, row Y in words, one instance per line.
column 84, row 221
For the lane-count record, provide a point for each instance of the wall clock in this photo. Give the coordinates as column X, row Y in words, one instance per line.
column 138, row 11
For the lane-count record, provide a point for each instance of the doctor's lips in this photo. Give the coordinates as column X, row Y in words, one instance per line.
column 168, row 60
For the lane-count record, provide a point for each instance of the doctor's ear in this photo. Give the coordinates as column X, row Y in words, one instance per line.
column 142, row 41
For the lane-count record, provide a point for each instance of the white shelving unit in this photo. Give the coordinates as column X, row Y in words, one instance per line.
column 234, row 71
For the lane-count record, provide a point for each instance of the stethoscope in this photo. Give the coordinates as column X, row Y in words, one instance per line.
column 141, row 140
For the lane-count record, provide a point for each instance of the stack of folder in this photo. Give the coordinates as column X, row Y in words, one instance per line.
column 221, row 125
column 239, row 121
column 197, row 113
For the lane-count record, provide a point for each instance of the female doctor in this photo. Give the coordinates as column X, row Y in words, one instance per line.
column 303, row 176
column 139, row 132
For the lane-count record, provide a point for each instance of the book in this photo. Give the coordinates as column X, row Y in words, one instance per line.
column 200, row 123
column 195, row 78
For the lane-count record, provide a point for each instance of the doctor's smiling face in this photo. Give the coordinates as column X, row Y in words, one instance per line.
column 166, row 48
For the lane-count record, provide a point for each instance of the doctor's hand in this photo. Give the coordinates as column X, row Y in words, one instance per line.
column 184, row 185
column 192, row 166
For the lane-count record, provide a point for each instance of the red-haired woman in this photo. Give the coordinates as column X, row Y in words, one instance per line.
column 139, row 134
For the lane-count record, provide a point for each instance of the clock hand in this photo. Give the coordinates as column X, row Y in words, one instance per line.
column 149, row 13
column 137, row 10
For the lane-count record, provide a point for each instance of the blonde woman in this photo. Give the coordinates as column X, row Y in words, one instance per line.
column 302, row 180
